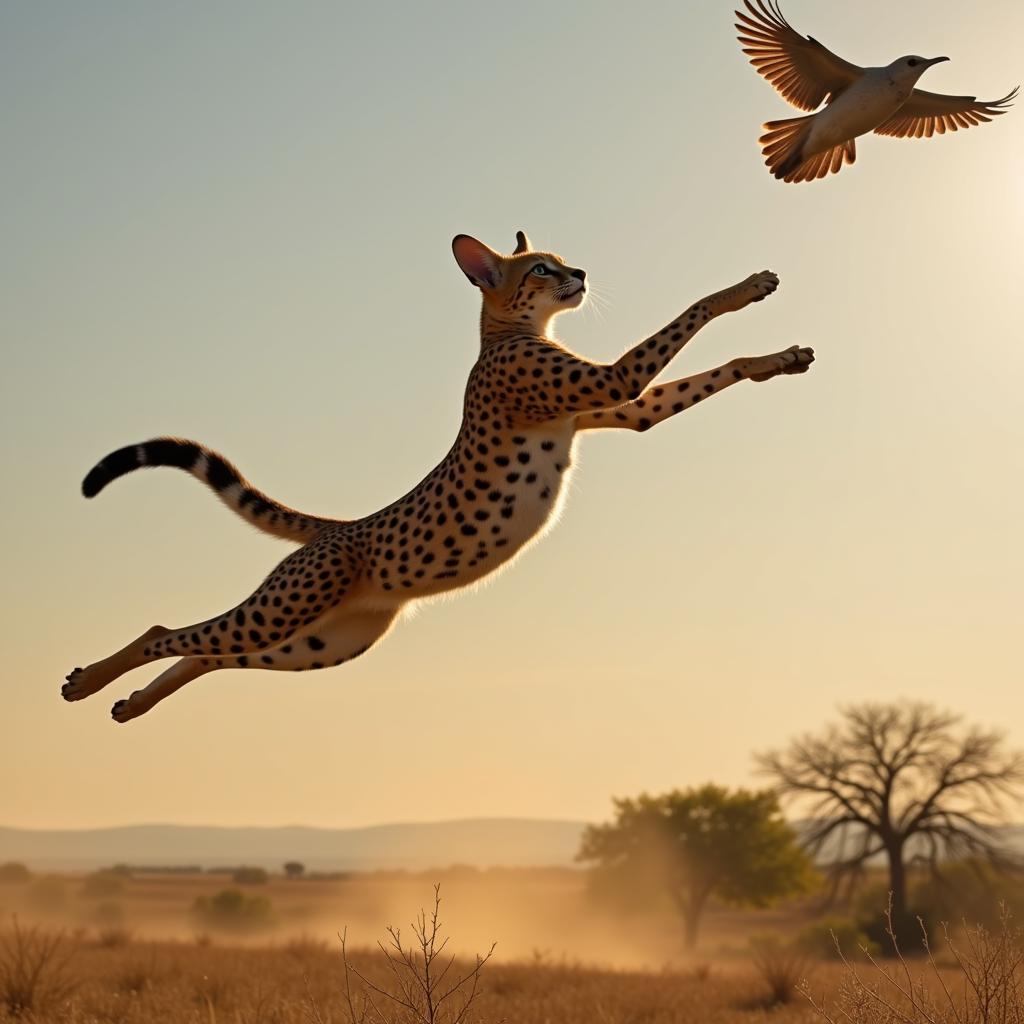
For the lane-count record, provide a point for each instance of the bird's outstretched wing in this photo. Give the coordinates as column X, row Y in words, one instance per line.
column 803, row 70
column 926, row 113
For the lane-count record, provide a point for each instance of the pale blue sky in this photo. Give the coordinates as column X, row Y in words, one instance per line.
column 232, row 222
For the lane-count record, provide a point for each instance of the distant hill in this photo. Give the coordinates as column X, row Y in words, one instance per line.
column 480, row 842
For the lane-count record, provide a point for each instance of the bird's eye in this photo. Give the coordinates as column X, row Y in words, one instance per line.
column 913, row 62
column 540, row 270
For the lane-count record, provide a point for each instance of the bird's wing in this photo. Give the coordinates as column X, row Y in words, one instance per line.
column 803, row 70
column 926, row 113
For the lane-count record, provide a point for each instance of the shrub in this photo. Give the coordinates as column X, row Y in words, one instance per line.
column 108, row 914
column 113, row 938
column 876, row 923
column 781, row 965
column 33, row 969
column 233, row 909
column 294, row 869
column 14, row 872
column 249, row 876
column 820, row 939
column 418, row 988
column 990, row 989
column 102, row 886
column 969, row 889
column 48, row 895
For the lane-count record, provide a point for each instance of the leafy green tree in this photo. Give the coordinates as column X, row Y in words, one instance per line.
column 700, row 843
column 294, row 869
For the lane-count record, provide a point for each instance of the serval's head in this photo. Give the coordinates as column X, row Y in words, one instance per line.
column 525, row 289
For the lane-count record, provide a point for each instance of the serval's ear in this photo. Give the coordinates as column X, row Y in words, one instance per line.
column 522, row 243
column 481, row 264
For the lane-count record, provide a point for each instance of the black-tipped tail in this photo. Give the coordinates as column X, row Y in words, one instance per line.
column 217, row 473
column 165, row 451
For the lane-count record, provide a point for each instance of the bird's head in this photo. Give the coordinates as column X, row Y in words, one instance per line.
column 527, row 288
column 907, row 70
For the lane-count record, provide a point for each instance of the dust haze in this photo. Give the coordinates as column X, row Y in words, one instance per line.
column 533, row 914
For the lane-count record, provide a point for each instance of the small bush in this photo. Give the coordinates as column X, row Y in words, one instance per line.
column 249, row 876
column 781, row 966
column 14, row 873
column 232, row 909
column 990, row 989
column 108, row 914
column 418, row 988
column 103, row 885
column 820, row 939
column 907, row 928
column 33, row 969
column 701, row 972
column 113, row 938
column 876, row 923
column 48, row 895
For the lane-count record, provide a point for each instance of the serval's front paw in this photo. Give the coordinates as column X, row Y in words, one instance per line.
column 794, row 360
column 753, row 289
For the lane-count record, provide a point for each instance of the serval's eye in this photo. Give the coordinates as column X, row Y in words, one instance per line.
column 540, row 270
column 913, row 62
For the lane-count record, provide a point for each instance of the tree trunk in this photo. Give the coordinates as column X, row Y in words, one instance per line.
column 897, row 882
column 691, row 925
column 692, row 909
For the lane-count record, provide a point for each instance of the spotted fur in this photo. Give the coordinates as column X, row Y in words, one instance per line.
column 496, row 490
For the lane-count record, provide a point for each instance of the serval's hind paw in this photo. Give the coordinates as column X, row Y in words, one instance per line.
column 122, row 711
column 81, row 683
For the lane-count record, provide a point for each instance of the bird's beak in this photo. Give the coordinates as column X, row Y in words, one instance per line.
column 936, row 60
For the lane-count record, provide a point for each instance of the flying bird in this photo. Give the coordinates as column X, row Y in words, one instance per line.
column 857, row 100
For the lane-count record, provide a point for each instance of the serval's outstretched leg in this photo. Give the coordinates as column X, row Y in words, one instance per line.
column 661, row 402
column 338, row 637
column 305, row 586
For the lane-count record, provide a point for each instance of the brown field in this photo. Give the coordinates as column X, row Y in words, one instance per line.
column 144, row 982
column 557, row 961
column 530, row 913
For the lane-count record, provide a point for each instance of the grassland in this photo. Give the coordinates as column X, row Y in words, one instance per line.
column 558, row 961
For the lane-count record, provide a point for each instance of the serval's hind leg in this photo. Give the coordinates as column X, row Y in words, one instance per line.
column 170, row 680
column 84, row 682
column 338, row 637
column 306, row 585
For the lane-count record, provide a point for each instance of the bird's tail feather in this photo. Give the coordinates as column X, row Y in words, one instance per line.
column 783, row 149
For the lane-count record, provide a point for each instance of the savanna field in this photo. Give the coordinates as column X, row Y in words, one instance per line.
column 109, row 948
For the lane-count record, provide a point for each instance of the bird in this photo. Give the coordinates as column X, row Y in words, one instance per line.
column 858, row 100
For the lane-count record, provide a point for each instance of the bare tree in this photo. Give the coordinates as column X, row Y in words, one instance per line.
column 906, row 781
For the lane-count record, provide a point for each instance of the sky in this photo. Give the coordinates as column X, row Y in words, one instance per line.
column 232, row 222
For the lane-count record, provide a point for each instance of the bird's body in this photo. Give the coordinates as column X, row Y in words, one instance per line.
column 861, row 108
column 857, row 100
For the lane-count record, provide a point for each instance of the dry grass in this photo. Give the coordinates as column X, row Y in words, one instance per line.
column 987, row 985
column 100, row 975
column 179, row 983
